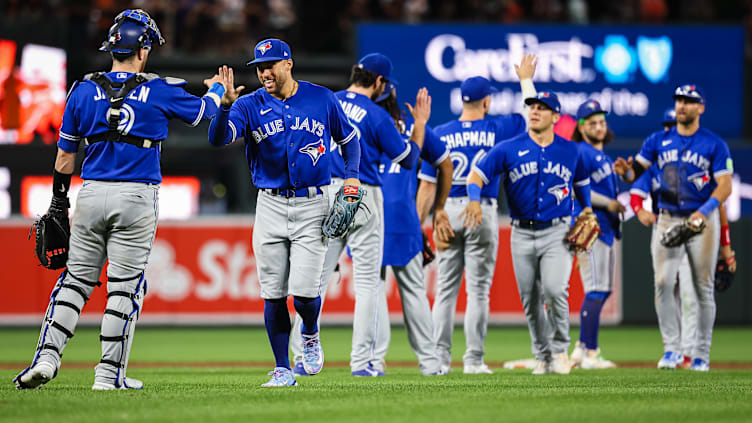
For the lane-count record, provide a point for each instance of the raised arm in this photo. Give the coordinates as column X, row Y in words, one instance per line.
column 221, row 130
column 525, row 71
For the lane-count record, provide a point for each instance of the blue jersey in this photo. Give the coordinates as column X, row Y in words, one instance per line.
column 378, row 135
column 403, row 238
column 468, row 142
column 688, row 167
column 603, row 181
column 287, row 143
column 144, row 114
column 538, row 180
column 649, row 183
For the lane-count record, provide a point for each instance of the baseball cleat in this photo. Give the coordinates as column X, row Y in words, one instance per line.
column 299, row 370
column 685, row 363
column 526, row 363
column 446, row 368
column 668, row 361
column 477, row 369
column 542, row 367
column 36, row 377
column 130, row 383
column 313, row 354
column 439, row 372
column 561, row 364
column 281, row 377
column 369, row 371
column 594, row 360
column 700, row 365
column 577, row 354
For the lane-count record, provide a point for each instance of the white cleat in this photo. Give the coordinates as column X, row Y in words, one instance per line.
column 445, row 368
column 700, row 365
column 130, row 384
column 594, row 360
column 542, row 367
column 281, row 377
column 561, row 364
column 477, row 369
column 36, row 377
column 669, row 361
column 313, row 354
column 525, row 363
column 577, row 354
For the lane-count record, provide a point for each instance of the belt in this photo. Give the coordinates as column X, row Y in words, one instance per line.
column 538, row 225
column 677, row 213
column 309, row 192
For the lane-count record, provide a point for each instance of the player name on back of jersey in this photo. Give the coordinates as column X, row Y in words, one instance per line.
column 601, row 173
column 142, row 95
column 353, row 111
column 277, row 125
column 469, row 138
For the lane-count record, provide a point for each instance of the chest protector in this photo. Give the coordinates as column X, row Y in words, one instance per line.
column 116, row 93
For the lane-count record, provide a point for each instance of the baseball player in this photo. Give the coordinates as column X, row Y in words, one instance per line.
column 597, row 265
column 540, row 171
column 403, row 238
column 378, row 134
column 287, row 126
column 121, row 117
column 469, row 139
column 695, row 170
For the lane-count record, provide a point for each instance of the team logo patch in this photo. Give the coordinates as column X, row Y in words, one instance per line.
column 264, row 48
column 314, row 150
column 560, row 192
column 700, row 180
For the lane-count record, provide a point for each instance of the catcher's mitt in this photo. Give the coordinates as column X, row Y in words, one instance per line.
column 52, row 232
column 723, row 274
column 342, row 214
column 680, row 233
column 428, row 254
column 584, row 233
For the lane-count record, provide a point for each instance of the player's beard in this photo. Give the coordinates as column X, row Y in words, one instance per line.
column 687, row 119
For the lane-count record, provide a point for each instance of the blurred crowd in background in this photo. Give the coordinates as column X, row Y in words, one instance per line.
column 227, row 27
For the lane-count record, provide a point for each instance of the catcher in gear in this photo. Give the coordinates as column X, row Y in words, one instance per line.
column 116, row 212
column 52, row 231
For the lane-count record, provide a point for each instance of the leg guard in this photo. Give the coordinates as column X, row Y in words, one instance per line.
column 68, row 298
column 125, row 298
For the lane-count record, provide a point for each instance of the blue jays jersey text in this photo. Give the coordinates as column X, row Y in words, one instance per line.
column 688, row 167
column 378, row 134
column 468, row 142
column 403, row 238
column 144, row 113
column 287, row 143
column 603, row 181
column 538, row 181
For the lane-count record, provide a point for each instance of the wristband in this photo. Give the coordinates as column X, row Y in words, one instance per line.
column 473, row 192
column 60, row 184
column 725, row 236
column 217, row 89
column 635, row 201
column 709, row 206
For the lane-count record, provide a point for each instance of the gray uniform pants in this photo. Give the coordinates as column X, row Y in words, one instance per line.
column 542, row 265
column 365, row 239
column 597, row 267
column 686, row 303
column 417, row 315
column 113, row 221
column 474, row 252
column 702, row 253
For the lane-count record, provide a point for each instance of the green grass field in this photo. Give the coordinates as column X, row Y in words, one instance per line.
column 214, row 375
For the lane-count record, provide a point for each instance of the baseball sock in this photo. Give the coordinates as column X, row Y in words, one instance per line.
column 277, row 322
column 308, row 309
column 590, row 317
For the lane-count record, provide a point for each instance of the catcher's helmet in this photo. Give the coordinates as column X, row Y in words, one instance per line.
column 133, row 29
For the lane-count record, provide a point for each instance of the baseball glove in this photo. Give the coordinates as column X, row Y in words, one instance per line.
column 428, row 254
column 342, row 214
column 584, row 233
column 723, row 274
column 52, row 232
column 680, row 233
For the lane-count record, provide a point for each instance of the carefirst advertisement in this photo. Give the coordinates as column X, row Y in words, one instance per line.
column 632, row 70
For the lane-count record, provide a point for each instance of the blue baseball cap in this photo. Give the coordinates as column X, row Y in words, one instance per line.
column 690, row 91
column 589, row 108
column 476, row 88
column 388, row 90
column 669, row 116
column 546, row 97
column 378, row 64
column 270, row 50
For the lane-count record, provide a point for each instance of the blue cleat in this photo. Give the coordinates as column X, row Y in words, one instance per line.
column 700, row 365
column 369, row 371
column 280, row 377
column 313, row 354
column 669, row 361
column 299, row 370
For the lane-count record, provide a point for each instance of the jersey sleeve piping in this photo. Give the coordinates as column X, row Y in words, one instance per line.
column 482, row 175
